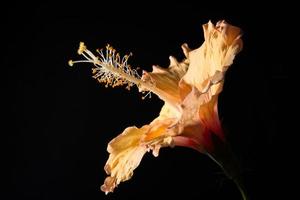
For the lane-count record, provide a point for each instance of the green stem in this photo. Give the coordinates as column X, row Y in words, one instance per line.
column 231, row 175
column 241, row 189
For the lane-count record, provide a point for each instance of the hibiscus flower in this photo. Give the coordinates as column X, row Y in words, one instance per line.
column 190, row 90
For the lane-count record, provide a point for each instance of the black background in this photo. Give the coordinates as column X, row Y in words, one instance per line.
column 63, row 119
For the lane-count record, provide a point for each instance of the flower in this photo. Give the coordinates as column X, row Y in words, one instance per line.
column 190, row 90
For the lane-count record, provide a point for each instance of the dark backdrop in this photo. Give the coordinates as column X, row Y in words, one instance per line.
column 63, row 119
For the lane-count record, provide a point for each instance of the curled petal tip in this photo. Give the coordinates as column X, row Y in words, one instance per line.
column 173, row 61
column 156, row 68
column 107, row 169
column 209, row 25
column 109, row 185
column 145, row 72
column 185, row 49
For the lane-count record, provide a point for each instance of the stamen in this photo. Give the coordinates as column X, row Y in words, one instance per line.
column 148, row 94
column 111, row 69
column 81, row 48
column 70, row 63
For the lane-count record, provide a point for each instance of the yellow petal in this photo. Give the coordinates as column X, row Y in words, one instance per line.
column 222, row 43
column 127, row 150
column 168, row 116
column 165, row 80
column 126, row 154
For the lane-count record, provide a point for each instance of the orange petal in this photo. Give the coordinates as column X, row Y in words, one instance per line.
column 209, row 116
column 165, row 80
column 127, row 149
column 158, row 129
column 126, row 154
column 199, row 119
column 168, row 116
column 222, row 43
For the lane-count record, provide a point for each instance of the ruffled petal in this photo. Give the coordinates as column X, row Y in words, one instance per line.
column 126, row 154
column 160, row 127
column 199, row 119
column 222, row 43
column 209, row 116
column 190, row 130
column 165, row 80
column 127, row 150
